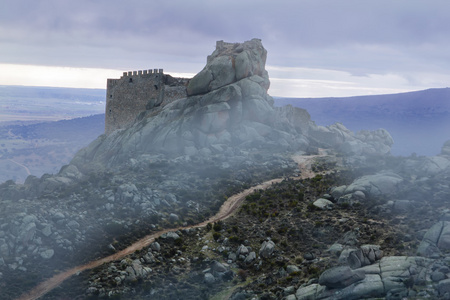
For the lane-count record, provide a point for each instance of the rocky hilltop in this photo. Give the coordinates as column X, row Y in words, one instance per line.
column 227, row 108
column 352, row 223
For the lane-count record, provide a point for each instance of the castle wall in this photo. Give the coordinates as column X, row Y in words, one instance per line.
column 138, row 91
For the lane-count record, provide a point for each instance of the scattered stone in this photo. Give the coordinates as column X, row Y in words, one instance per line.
column 242, row 250
column 309, row 256
column 26, row 232
column 323, row 204
column 337, row 192
column 336, row 249
column 290, row 290
column 402, row 205
column 73, row 224
column 155, row 246
column 437, row 276
column 359, row 195
column 310, row 292
column 436, row 239
column 173, row 218
column 209, row 278
column 251, row 257
column 47, row 230
column 444, row 286
column 47, row 254
column 375, row 185
column 292, row 269
column 232, row 257
column 291, row 297
column 170, row 235
column 364, row 256
column 218, row 267
column 341, row 276
column 267, row 249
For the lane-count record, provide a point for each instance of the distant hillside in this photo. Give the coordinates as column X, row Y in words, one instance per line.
column 41, row 128
column 78, row 129
column 418, row 121
column 44, row 147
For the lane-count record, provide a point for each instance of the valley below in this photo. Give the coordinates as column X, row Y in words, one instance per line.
column 41, row 129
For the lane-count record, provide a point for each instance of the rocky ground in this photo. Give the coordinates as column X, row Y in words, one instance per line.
column 54, row 222
column 367, row 214
column 354, row 233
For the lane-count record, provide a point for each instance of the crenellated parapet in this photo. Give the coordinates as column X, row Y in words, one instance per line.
column 143, row 72
column 137, row 91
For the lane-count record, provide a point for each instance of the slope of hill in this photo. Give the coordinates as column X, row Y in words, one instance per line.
column 85, row 129
column 37, row 134
column 418, row 121
column 41, row 148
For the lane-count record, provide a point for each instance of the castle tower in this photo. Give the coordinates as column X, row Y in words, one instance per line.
column 133, row 93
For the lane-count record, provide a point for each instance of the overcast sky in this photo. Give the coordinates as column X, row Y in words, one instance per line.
column 315, row 47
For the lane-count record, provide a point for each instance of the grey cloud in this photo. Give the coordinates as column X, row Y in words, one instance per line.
column 352, row 35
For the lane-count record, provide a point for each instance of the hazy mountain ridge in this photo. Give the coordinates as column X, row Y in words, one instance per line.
column 425, row 101
column 44, row 147
column 418, row 121
column 83, row 128
column 37, row 134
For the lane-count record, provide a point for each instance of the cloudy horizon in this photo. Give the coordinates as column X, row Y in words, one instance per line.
column 315, row 48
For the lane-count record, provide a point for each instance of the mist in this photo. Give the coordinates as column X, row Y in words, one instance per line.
column 214, row 187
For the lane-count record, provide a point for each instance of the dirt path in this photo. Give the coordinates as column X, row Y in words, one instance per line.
column 21, row 165
column 228, row 208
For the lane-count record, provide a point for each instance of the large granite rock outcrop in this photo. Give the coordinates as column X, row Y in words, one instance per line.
column 389, row 278
column 436, row 240
column 340, row 277
column 375, row 185
column 227, row 107
column 364, row 142
column 229, row 63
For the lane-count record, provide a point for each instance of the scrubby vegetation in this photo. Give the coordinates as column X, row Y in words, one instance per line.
column 284, row 214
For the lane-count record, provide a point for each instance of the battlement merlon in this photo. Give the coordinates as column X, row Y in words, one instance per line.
column 142, row 72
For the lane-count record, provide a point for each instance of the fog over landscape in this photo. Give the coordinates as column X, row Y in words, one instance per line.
column 290, row 150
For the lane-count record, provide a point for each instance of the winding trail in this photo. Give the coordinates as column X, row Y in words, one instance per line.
column 21, row 165
column 228, row 208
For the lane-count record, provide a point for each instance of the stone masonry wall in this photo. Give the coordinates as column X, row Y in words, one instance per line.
column 136, row 92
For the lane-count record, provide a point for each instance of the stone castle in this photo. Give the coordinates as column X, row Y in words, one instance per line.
column 138, row 91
